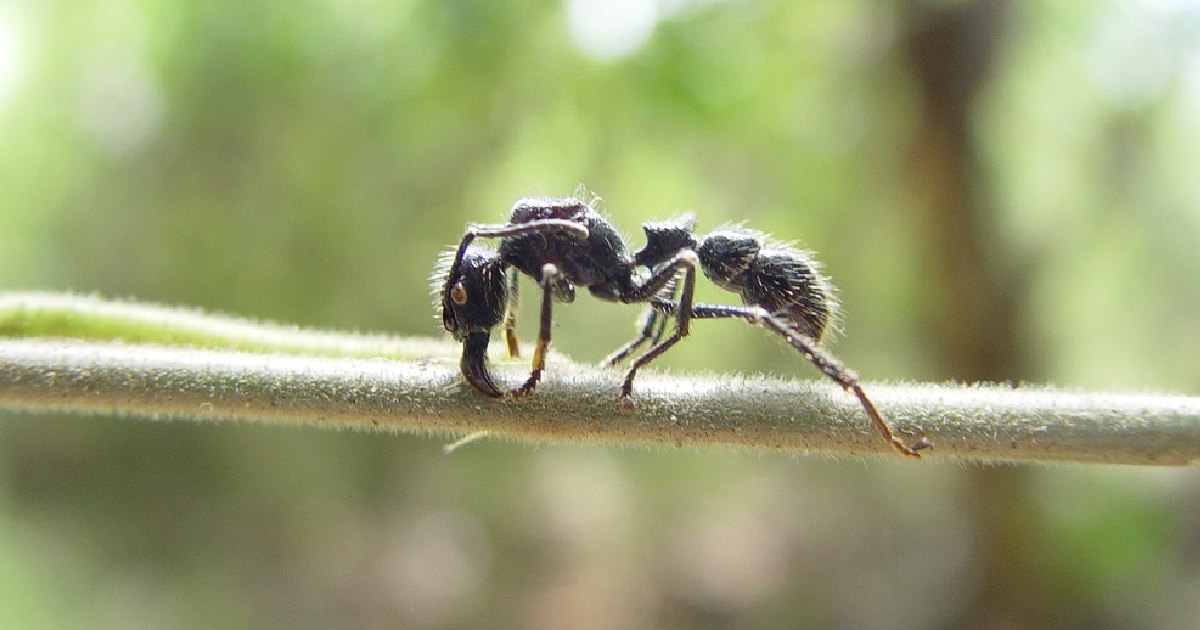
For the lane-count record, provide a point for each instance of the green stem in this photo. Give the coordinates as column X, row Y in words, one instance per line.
column 80, row 354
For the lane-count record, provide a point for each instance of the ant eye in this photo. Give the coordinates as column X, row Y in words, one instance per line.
column 458, row 294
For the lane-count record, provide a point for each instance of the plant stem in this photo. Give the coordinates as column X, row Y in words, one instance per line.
column 91, row 356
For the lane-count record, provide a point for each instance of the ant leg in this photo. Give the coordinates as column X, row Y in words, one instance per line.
column 510, row 319
column 549, row 274
column 646, row 325
column 540, row 226
column 456, row 266
column 668, row 292
column 683, row 312
column 847, row 378
column 503, row 230
column 651, row 326
column 808, row 347
column 660, row 278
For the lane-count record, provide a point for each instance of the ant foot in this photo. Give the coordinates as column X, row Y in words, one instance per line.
column 913, row 451
column 527, row 386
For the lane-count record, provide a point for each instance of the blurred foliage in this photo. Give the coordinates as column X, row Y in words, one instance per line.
column 307, row 161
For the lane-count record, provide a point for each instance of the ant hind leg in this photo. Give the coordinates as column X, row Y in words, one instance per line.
column 807, row 346
column 668, row 292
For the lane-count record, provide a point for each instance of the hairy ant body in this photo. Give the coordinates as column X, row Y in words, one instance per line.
column 563, row 243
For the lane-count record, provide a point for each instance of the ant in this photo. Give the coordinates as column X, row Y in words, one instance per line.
column 563, row 242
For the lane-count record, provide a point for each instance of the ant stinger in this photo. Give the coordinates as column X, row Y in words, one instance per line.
column 563, row 242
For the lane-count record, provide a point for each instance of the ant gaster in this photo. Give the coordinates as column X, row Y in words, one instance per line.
column 563, row 243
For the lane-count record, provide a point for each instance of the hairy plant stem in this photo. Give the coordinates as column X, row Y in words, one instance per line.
column 83, row 354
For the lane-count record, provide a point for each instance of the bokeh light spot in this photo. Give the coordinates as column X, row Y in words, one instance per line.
column 606, row 30
column 120, row 103
column 10, row 59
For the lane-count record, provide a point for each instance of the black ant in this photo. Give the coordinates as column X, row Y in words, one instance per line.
column 563, row 243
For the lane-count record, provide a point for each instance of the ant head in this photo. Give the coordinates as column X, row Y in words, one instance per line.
column 472, row 298
column 473, row 293
column 664, row 239
column 725, row 254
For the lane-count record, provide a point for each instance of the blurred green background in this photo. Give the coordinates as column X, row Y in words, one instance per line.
column 1002, row 191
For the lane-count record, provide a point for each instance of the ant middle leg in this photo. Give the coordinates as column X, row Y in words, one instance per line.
column 646, row 325
column 652, row 325
column 683, row 313
column 808, row 347
column 549, row 275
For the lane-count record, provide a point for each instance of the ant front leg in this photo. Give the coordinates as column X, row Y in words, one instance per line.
column 541, row 226
column 549, row 275
column 687, row 261
column 808, row 347
column 510, row 319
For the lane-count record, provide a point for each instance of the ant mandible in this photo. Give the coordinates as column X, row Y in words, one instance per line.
column 562, row 242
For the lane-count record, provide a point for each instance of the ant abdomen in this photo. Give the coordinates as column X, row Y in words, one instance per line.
column 785, row 281
column 788, row 283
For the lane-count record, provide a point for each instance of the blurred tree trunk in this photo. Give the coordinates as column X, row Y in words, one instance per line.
column 975, row 299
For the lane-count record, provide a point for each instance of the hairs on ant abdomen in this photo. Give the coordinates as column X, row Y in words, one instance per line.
column 562, row 243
